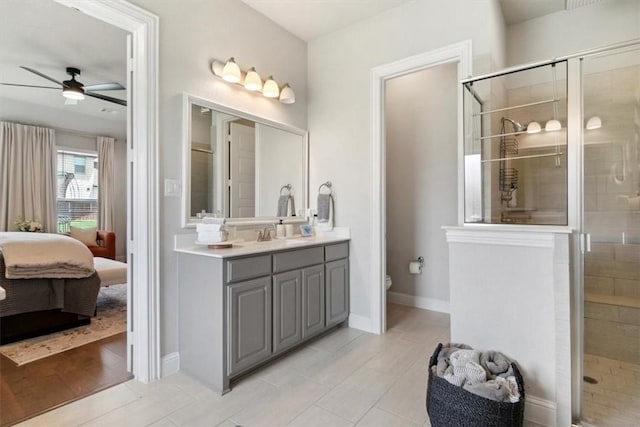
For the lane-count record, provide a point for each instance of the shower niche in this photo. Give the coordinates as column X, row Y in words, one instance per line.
column 515, row 140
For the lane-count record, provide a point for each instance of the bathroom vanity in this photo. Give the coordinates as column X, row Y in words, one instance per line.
column 243, row 306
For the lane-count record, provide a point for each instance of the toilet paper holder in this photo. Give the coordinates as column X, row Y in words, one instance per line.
column 415, row 266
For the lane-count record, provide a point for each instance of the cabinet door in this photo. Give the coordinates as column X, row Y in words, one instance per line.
column 287, row 316
column 337, row 288
column 249, row 323
column 313, row 310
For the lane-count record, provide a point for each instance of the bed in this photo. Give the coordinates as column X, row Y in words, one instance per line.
column 34, row 305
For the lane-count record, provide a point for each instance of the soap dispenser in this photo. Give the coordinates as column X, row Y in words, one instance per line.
column 280, row 230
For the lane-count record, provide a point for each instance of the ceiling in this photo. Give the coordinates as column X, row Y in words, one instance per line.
column 309, row 19
column 31, row 35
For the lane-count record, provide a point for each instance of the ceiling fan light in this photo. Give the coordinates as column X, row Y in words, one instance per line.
column 552, row 125
column 594, row 123
column 252, row 80
column 287, row 95
column 73, row 92
column 270, row 88
column 231, row 72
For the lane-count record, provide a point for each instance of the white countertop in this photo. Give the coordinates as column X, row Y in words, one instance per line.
column 185, row 243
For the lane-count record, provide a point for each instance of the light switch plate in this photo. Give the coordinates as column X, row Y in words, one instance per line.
column 172, row 188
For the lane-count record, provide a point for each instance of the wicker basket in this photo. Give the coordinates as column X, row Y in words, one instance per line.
column 450, row 405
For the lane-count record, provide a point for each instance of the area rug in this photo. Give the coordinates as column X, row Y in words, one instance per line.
column 111, row 319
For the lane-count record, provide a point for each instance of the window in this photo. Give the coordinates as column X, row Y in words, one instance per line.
column 77, row 189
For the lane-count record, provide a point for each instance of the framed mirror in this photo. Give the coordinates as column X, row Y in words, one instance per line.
column 238, row 165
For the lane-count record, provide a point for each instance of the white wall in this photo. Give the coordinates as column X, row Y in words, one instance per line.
column 192, row 33
column 562, row 33
column 339, row 105
column 422, row 179
column 27, row 113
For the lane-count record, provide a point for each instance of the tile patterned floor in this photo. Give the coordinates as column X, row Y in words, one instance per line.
column 346, row 378
column 615, row 400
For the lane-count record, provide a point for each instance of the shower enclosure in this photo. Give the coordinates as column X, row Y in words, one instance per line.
column 611, row 223
column 558, row 143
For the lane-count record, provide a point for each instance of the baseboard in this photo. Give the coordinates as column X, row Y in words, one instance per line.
column 360, row 322
column 170, row 364
column 419, row 302
column 540, row 411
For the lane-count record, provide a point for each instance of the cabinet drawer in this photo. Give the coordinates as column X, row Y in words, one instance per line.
column 337, row 251
column 247, row 268
column 284, row 261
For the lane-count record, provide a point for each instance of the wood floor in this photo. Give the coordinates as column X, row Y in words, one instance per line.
column 34, row 388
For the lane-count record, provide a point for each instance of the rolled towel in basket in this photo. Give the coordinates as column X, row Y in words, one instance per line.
column 496, row 364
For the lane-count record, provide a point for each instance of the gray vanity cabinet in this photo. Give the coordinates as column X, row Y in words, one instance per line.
column 249, row 323
column 337, row 286
column 313, row 293
column 238, row 312
column 287, row 311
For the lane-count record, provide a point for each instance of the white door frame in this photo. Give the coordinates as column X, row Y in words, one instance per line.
column 143, row 321
column 459, row 53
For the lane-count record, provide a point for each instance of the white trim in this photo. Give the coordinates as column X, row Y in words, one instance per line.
column 456, row 53
column 432, row 304
column 142, row 160
column 170, row 364
column 500, row 237
column 540, row 411
column 360, row 322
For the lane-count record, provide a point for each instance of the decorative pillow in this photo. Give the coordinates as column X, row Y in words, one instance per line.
column 85, row 235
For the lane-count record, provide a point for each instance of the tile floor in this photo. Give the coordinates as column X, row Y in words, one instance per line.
column 345, row 378
column 615, row 400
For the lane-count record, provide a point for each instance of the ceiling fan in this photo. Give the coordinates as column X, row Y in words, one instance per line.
column 74, row 90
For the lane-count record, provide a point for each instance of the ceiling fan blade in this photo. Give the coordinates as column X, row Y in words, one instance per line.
column 39, row 87
column 105, row 86
column 107, row 98
column 44, row 76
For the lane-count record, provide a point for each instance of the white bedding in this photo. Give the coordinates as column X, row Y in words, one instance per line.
column 44, row 255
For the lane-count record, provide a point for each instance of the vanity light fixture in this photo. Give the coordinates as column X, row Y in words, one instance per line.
column 552, row 125
column 251, row 80
column 231, row 72
column 594, row 123
column 533, row 127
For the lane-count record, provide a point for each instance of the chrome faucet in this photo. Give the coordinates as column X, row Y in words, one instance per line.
column 265, row 235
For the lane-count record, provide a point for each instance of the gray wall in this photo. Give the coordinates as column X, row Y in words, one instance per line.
column 422, row 177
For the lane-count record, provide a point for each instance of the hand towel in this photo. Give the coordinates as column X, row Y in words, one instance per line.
column 286, row 206
column 325, row 212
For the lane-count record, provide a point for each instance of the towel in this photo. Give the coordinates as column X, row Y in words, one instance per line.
column 496, row 364
column 325, row 212
column 286, row 206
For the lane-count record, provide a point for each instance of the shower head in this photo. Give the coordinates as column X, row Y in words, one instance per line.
column 518, row 127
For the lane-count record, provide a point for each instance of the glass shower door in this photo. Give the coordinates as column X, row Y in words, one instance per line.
column 611, row 223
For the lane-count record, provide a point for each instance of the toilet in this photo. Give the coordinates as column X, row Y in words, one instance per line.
column 387, row 282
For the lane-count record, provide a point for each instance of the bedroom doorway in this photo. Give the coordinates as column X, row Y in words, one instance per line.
column 141, row 241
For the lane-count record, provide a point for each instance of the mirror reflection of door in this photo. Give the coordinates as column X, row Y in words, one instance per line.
column 242, row 159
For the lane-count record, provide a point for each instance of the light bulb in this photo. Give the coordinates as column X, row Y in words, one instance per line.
column 231, row 71
column 552, row 125
column 252, row 80
column 270, row 88
column 73, row 92
column 533, row 127
column 287, row 95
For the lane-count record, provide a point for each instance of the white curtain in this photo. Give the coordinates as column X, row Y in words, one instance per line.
column 106, row 147
column 27, row 176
